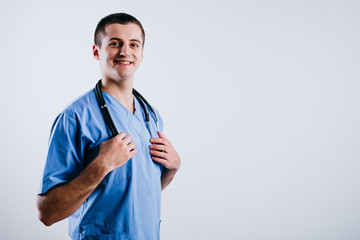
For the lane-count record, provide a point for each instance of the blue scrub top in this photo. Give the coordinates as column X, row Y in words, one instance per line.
column 126, row 204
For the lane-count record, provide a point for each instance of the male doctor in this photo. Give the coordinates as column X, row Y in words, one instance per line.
column 110, row 188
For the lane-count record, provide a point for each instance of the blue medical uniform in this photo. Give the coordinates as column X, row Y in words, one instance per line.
column 126, row 204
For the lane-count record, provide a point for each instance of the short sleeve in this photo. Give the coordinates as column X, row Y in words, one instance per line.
column 65, row 153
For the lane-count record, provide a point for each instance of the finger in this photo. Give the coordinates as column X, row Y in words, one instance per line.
column 131, row 145
column 161, row 135
column 133, row 152
column 158, row 154
column 158, row 147
column 127, row 139
column 160, row 160
column 157, row 140
column 120, row 136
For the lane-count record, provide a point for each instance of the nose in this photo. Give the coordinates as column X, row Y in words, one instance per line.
column 124, row 50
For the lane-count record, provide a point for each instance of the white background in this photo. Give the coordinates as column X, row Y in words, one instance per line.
column 260, row 98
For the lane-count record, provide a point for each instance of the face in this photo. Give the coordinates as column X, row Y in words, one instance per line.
column 121, row 51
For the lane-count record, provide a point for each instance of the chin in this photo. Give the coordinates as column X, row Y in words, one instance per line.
column 124, row 76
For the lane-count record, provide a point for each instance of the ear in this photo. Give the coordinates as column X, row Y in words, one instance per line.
column 96, row 52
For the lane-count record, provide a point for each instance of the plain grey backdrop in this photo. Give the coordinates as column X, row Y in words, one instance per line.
column 260, row 98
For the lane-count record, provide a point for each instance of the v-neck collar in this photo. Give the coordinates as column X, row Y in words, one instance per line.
column 121, row 109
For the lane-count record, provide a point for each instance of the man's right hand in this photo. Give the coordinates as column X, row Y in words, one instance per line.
column 116, row 151
column 64, row 200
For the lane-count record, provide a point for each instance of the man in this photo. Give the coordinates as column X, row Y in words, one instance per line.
column 110, row 188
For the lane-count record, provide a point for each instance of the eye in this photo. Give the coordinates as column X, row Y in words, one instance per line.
column 135, row 45
column 114, row 44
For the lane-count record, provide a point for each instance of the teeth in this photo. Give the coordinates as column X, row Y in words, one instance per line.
column 122, row 62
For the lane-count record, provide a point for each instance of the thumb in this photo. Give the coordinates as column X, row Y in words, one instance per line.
column 161, row 135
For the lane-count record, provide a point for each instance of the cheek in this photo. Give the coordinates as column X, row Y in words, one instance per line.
column 109, row 59
column 139, row 57
column 138, row 53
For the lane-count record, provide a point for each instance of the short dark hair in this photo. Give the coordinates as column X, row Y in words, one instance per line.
column 122, row 18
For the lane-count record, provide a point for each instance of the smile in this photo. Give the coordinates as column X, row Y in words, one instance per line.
column 122, row 62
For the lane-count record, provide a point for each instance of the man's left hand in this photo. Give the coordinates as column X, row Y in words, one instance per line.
column 162, row 151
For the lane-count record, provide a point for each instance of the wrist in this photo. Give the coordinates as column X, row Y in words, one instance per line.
column 171, row 171
column 101, row 166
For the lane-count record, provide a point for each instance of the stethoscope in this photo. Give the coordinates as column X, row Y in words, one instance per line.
column 106, row 115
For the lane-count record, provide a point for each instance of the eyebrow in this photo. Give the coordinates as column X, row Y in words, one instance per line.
column 118, row 39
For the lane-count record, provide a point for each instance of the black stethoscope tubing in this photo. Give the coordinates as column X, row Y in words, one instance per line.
column 106, row 114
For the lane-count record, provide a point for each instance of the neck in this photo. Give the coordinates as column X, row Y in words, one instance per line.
column 121, row 91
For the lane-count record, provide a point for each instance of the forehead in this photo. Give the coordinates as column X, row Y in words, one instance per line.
column 123, row 31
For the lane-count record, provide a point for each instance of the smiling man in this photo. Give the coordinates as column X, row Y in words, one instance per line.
column 109, row 187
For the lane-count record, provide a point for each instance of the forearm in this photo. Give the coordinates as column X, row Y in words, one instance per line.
column 63, row 201
column 166, row 177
